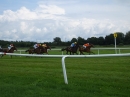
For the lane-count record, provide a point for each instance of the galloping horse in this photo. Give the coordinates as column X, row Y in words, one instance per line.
column 45, row 49
column 87, row 49
column 30, row 51
column 71, row 50
column 39, row 50
column 6, row 50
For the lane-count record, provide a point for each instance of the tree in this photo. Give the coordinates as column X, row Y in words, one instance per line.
column 109, row 39
column 74, row 40
column 57, row 40
column 101, row 41
column 120, row 38
column 127, row 38
column 81, row 40
column 92, row 40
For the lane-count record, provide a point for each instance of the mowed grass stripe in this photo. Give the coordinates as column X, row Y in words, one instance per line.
column 40, row 77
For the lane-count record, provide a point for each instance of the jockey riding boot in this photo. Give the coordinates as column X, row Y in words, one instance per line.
column 72, row 48
column 8, row 50
column 69, row 48
column 34, row 50
column 84, row 48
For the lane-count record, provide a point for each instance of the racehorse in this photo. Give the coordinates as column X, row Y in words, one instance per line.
column 30, row 51
column 45, row 49
column 71, row 50
column 87, row 49
column 39, row 50
column 6, row 50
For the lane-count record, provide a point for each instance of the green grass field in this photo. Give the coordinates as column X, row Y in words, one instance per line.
column 43, row 77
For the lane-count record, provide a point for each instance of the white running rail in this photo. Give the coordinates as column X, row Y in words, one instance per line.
column 117, row 50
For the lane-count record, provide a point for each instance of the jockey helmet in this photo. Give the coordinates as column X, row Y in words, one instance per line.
column 75, row 42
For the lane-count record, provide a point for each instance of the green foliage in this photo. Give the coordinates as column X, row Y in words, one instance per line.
column 57, row 41
column 127, row 38
column 108, row 40
column 101, row 41
column 74, row 40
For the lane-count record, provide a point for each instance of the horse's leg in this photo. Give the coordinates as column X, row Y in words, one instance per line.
column 70, row 52
column 67, row 52
column 81, row 53
column 92, row 52
column 2, row 55
column 76, row 53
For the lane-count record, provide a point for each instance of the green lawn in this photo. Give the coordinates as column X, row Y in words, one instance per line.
column 43, row 77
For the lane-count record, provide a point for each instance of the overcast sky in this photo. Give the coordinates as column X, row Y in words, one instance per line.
column 43, row 20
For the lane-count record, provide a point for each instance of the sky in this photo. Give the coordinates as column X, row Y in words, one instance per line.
column 44, row 20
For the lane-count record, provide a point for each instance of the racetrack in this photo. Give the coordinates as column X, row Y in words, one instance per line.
column 38, row 77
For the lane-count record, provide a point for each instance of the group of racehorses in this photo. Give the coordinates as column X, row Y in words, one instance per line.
column 76, row 48
column 39, row 50
column 42, row 50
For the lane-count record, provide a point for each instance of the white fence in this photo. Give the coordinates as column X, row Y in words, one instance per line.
column 64, row 56
column 117, row 50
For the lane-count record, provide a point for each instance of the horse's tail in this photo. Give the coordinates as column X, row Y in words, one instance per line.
column 81, row 48
column 1, row 50
column 63, row 49
column 27, row 51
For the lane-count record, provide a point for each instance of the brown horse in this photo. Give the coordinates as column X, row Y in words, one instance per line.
column 34, row 51
column 45, row 49
column 6, row 50
column 87, row 49
column 71, row 50
column 39, row 50
column 30, row 51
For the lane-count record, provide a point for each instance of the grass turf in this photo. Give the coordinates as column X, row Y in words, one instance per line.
column 41, row 77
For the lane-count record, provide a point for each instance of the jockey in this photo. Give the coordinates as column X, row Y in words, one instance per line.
column 0, row 47
column 10, row 46
column 73, row 45
column 44, row 45
column 36, row 45
column 86, row 45
column 39, row 45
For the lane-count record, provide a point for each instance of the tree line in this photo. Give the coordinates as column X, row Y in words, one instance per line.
column 121, row 39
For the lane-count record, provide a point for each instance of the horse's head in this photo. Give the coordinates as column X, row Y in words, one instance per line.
column 14, row 48
column 91, row 45
column 48, row 47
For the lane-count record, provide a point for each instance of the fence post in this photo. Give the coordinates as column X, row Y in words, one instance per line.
column 64, row 69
